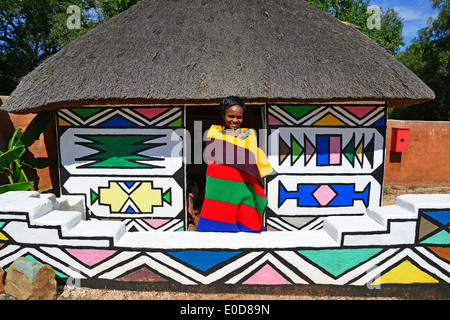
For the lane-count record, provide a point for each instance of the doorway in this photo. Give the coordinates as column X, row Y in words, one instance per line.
column 199, row 119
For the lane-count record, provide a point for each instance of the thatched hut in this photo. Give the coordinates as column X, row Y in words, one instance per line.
column 139, row 80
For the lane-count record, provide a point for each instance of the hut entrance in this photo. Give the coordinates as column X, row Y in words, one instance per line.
column 198, row 120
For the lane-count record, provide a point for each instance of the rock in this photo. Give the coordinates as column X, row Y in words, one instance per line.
column 2, row 279
column 28, row 280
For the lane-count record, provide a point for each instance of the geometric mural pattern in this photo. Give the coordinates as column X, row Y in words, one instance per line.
column 329, row 160
column 123, row 161
column 426, row 260
column 371, row 267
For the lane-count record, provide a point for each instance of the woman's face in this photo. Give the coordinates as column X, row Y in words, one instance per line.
column 233, row 117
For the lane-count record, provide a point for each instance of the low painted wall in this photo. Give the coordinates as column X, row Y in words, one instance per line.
column 426, row 160
column 405, row 244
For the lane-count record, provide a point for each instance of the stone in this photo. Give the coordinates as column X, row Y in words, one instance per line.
column 2, row 280
column 28, row 280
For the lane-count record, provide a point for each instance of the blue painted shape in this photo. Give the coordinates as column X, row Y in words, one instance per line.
column 379, row 123
column 130, row 184
column 303, row 194
column 346, row 195
column 442, row 217
column 203, row 260
column 323, row 150
column 118, row 121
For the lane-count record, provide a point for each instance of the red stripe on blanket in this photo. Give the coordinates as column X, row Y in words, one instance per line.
column 230, row 213
column 226, row 172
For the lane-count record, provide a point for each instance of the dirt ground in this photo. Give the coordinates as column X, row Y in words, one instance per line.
column 391, row 191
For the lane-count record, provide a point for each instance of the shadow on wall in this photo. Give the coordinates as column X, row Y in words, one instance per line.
column 45, row 180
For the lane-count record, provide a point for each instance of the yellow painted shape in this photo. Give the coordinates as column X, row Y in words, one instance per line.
column 2, row 237
column 145, row 197
column 329, row 120
column 63, row 123
column 113, row 196
column 359, row 152
column 406, row 273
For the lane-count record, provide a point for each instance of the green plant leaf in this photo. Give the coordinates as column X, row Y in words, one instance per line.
column 39, row 163
column 37, row 126
column 10, row 156
column 15, row 138
column 21, row 186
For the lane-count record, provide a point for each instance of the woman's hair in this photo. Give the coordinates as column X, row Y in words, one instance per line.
column 229, row 102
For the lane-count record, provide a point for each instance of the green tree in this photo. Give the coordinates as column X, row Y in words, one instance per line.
column 389, row 35
column 428, row 56
column 32, row 30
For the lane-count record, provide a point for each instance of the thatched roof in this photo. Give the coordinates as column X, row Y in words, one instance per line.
column 162, row 51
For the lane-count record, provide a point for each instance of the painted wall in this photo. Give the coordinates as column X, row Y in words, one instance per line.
column 426, row 160
column 412, row 246
column 329, row 160
column 126, row 162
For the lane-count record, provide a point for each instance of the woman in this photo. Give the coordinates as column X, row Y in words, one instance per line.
column 234, row 193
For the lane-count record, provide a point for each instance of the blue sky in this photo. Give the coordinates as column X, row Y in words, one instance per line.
column 414, row 13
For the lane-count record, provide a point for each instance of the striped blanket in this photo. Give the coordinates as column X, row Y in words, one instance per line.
column 234, row 195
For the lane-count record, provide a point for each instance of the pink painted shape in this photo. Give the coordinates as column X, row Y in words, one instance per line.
column 360, row 112
column 151, row 112
column 274, row 121
column 267, row 276
column 324, row 194
column 156, row 223
column 335, row 150
column 91, row 256
column 309, row 150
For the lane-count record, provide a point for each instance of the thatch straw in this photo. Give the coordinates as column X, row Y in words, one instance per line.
column 162, row 51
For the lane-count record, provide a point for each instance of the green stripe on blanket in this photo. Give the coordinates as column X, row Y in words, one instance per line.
column 234, row 192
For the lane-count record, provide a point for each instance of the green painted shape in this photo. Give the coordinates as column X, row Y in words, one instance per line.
column 176, row 123
column 298, row 111
column 349, row 151
column 168, row 196
column 118, row 151
column 296, row 149
column 338, row 261
column 442, row 237
column 94, row 196
column 85, row 112
column 2, row 223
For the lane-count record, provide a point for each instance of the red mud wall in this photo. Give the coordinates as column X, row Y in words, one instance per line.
column 45, row 179
column 428, row 157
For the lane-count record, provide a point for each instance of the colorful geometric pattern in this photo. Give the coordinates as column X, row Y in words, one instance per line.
column 131, row 197
column 118, row 151
column 328, row 116
column 307, row 143
column 285, row 261
column 123, row 117
column 127, row 162
column 371, row 267
column 315, row 195
column 433, row 227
